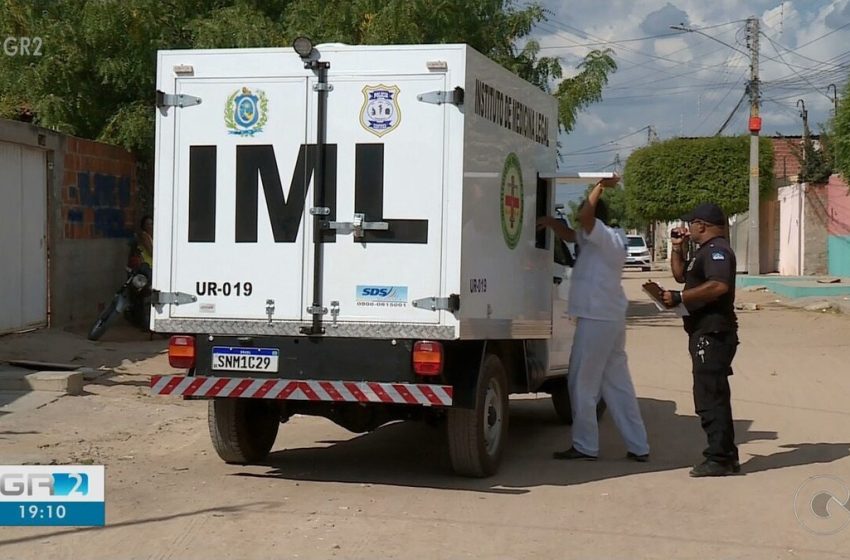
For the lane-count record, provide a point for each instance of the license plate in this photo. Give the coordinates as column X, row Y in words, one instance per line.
column 240, row 358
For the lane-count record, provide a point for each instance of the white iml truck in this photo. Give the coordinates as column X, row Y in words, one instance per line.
column 349, row 232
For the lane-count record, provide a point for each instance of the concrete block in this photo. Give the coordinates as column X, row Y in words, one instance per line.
column 68, row 382
column 822, row 306
column 20, row 379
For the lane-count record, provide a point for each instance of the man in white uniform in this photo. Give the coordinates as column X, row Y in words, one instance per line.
column 598, row 363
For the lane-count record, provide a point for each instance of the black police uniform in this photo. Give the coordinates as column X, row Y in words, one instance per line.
column 712, row 342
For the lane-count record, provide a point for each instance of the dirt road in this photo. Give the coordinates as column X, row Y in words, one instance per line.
column 327, row 493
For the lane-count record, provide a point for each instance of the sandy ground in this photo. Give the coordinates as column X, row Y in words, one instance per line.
column 326, row 493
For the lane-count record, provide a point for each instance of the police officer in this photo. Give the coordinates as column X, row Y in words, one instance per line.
column 712, row 327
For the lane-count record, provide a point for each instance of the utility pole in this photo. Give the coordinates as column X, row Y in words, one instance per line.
column 651, row 135
column 805, row 116
column 753, row 258
column 834, row 98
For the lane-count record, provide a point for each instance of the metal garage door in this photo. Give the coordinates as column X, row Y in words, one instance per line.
column 23, row 237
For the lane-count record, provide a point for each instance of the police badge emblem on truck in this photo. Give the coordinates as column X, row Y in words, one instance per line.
column 380, row 113
column 246, row 112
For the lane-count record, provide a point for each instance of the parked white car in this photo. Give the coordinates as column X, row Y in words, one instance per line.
column 638, row 253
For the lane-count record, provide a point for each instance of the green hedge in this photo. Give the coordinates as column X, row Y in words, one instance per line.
column 665, row 180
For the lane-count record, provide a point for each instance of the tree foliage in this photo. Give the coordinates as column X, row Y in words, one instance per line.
column 620, row 212
column 841, row 136
column 96, row 78
column 815, row 158
column 667, row 179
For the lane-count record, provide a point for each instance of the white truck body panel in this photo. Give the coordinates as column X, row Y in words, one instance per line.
column 242, row 252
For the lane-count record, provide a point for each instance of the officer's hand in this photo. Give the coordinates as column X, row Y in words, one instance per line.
column 543, row 221
column 667, row 298
column 685, row 235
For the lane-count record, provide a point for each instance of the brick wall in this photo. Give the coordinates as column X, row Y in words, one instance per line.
column 786, row 162
column 815, row 261
column 99, row 191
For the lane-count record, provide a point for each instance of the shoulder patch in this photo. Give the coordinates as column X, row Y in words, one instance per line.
column 718, row 256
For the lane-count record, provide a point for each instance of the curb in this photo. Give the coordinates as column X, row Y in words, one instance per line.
column 66, row 382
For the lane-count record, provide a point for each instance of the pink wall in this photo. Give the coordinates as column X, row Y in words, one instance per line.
column 839, row 206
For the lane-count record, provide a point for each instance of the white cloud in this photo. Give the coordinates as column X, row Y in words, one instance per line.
column 696, row 90
column 673, row 46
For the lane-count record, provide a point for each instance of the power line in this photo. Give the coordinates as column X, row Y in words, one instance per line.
column 795, row 53
column 599, row 43
column 732, row 114
column 570, row 29
column 719, row 103
column 798, row 74
column 615, row 140
column 823, row 36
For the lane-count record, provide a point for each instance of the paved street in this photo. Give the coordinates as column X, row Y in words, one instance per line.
column 328, row 493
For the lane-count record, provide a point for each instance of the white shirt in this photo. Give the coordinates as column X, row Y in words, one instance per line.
column 596, row 291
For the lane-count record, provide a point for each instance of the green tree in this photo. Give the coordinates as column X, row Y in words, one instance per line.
column 620, row 212
column 667, row 179
column 96, row 78
column 841, row 135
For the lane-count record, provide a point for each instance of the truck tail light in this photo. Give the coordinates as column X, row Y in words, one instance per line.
column 428, row 358
column 181, row 352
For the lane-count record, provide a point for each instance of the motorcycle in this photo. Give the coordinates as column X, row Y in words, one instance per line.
column 132, row 300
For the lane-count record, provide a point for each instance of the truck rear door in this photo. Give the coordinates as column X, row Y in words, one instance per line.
column 389, row 173
column 240, row 250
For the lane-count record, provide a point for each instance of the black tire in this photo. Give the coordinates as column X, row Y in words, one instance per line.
column 103, row 321
column 563, row 408
column 561, row 401
column 243, row 430
column 477, row 436
column 601, row 407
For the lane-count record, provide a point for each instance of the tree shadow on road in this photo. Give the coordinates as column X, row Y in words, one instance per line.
column 414, row 454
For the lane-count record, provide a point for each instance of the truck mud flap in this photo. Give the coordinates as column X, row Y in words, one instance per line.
column 302, row 390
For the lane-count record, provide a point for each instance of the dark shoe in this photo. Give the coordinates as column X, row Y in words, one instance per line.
column 713, row 468
column 637, row 458
column 572, row 453
column 736, row 466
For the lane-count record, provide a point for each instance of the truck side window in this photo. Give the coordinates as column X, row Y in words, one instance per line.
column 542, row 203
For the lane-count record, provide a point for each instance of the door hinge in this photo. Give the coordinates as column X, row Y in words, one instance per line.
column 451, row 303
column 454, row 97
column 171, row 298
column 358, row 226
column 165, row 100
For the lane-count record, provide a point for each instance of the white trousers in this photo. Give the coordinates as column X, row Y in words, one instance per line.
column 599, row 368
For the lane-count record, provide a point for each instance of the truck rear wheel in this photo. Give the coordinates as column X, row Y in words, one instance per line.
column 243, row 430
column 477, row 436
column 563, row 407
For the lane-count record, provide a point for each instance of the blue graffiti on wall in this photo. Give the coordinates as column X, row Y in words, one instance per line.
column 109, row 197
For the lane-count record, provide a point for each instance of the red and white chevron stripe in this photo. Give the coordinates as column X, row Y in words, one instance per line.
column 287, row 389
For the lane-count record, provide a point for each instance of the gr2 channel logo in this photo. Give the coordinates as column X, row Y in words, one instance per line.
column 382, row 296
column 52, row 495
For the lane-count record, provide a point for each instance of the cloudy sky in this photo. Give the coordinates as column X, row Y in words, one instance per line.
column 686, row 84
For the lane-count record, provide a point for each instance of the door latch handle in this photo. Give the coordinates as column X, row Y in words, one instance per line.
column 357, row 226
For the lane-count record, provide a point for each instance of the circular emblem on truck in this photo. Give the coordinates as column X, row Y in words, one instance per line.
column 246, row 112
column 511, row 198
